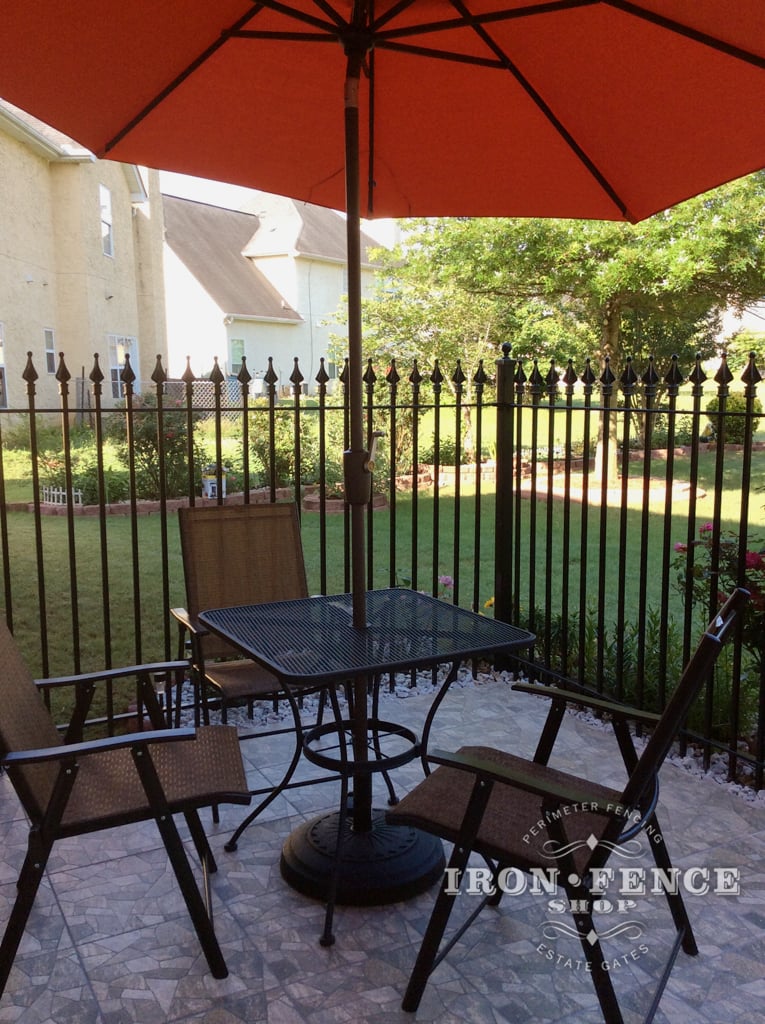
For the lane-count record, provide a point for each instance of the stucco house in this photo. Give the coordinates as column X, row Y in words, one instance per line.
column 80, row 262
column 264, row 281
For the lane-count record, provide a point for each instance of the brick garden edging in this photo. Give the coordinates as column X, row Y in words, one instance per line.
column 144, row 508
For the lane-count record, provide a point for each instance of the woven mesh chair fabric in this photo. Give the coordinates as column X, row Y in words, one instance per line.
column 510, row 829
column 193, row 773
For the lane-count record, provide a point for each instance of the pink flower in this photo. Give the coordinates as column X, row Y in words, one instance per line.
column 446, row 581
column 679, row 546
column 754, row 560
column 706, row 528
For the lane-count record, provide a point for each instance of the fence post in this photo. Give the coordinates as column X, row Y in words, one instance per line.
column 415, row 379
column 503, row 518
column 480, row 379
column 244, row 378
column 63, row 376
column 97, row 380
column 393, row 379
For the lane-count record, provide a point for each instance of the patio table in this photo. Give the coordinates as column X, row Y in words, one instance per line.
column 314, row 640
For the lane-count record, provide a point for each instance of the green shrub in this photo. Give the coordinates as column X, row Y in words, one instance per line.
column 620, row 676
column 735, row 421
column 145, row 448
column 447, row 452
column 660, row 432
column 84, row 469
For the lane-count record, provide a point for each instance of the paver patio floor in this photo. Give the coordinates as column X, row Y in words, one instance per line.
column 109, row 941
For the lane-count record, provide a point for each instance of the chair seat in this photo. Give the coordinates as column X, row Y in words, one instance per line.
column 193, row 773
column 242, row 680
column 515, row 826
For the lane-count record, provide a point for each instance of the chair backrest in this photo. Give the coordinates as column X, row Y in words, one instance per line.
column 25, row 724
column 694, row 675
column 240, row 554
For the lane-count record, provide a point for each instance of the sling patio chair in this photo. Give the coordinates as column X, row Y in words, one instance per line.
column 71, row 786
column 490, row 802
column 237, row 555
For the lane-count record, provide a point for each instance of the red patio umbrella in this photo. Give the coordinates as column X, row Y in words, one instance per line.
column 569, row 108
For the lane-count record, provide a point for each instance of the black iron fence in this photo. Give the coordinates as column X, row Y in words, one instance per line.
column 606, row 514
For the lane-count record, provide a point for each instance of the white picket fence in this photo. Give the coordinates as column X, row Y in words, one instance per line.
column 57, row 496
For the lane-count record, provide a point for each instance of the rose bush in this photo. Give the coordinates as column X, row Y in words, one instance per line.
column 709, row 568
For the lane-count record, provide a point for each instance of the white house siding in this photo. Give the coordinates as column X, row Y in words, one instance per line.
column 262, row 339
column 316, row 288
column 321, row 288
column 266, row 282
column 194, row 321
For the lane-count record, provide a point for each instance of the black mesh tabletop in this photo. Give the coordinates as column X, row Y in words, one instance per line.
column 315, row 637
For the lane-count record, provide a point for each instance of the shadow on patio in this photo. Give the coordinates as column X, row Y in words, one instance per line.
column 111, row 942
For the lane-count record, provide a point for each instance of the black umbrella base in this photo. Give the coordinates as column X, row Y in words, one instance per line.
column 387, row 864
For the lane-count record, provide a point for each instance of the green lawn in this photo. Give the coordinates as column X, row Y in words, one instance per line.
column 118, row 584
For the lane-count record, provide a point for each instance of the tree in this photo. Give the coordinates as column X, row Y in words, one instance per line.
column 560, row 288
column 740, row 344
column 417, row 314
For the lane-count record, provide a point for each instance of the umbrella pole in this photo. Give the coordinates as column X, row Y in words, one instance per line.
column 357, row 472
column 396, row 862
column 358, row 477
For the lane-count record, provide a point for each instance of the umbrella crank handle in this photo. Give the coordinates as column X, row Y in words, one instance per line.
column 369, row 465
column 357, row 472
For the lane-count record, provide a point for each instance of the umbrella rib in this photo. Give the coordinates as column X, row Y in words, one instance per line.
column 690, row 33
column 488, row 18
column 178, row 80
column 296, row 37
column 449, row 55
column 545, row 109
column 335, row 19
column 505, row 64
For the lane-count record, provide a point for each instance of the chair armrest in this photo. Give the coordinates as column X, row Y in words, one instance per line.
column 73, row 750
column 85, row 684
column 152, row 668
column 189, row 622
column 572, row 794
column 585, row 700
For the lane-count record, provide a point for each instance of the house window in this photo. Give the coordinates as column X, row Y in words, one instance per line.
column 50, row 350
column 236, row 346
column 119, row 346
column 107, row 231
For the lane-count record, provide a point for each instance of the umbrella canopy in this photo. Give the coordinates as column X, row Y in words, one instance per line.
column 574, row 108
column 568, row 108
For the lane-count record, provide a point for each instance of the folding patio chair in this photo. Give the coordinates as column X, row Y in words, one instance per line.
column 73, row 786
column 489, row 801
column 237, row 555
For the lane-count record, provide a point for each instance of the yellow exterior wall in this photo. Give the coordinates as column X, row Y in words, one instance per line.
column 54, row 274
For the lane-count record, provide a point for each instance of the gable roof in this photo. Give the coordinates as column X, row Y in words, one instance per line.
column 301, row 229
column 323, row 233
column 210, row 241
